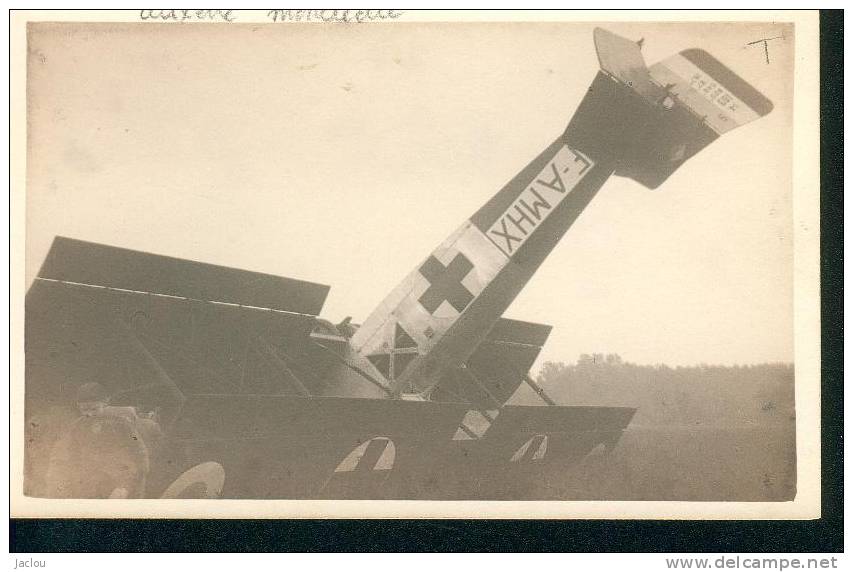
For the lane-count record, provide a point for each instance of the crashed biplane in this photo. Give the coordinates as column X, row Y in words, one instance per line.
column 257, row 397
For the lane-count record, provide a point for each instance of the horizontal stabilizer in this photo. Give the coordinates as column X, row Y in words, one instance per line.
column 622, row 59
column 711, row 90
column 650, row 120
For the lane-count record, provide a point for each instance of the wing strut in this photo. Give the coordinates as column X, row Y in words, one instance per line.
column 538, row 389
column 295, row 381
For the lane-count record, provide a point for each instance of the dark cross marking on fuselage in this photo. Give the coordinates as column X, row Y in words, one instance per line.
column 445, row 283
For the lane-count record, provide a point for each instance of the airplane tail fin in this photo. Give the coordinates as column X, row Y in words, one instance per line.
column 634, row 121
column 691, row 99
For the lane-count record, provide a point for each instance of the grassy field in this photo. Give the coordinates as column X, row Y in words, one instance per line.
column 700, row 433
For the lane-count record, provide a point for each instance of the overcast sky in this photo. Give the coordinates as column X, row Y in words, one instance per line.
column 343, row 154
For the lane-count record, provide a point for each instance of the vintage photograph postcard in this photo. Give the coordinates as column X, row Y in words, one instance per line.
column 372, row 263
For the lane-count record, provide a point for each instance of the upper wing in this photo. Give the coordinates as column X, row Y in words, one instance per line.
column 153, row 329
column 80, row 262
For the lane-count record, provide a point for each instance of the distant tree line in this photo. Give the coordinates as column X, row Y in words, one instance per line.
column 704, row 394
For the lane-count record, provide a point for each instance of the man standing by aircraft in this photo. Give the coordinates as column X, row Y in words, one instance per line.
column 105, row 452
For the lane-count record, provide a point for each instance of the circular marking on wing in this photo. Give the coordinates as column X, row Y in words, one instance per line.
column 205, row 480
column 377, row 454
column 533, row 449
